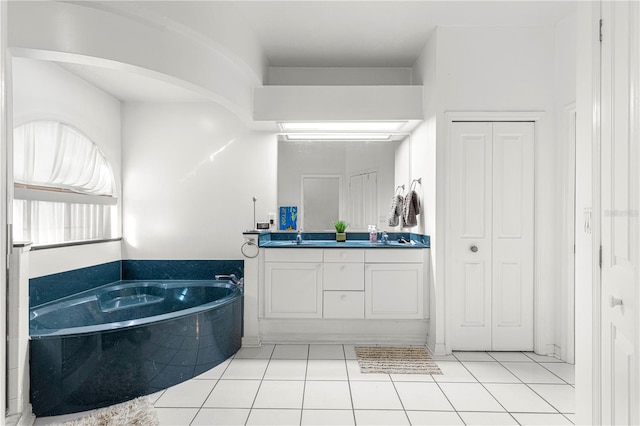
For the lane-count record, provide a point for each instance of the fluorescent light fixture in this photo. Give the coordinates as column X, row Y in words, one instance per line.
column 338, row 136
column 343, row 126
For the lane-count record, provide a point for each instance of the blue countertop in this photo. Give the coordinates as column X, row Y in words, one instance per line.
column 399, row 240
column 345, row 244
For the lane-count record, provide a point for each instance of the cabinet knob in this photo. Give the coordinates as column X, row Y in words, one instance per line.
column 474, row 248
column 343, row 254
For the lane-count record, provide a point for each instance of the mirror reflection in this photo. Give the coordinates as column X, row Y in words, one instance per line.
column 348, row 180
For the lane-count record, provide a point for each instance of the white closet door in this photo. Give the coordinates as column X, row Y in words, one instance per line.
column 371, row 198
column 363, row 200
column 492, row 236
column 512, row 262
column 356, row 202
column 471, row 241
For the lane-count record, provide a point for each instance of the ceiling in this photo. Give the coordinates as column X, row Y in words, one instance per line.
column 377, row 33
column 329, row 33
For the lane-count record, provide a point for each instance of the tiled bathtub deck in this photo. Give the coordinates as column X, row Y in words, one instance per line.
column 322, row 385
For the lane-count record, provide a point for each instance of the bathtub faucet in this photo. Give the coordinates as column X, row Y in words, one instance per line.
column 233, row 278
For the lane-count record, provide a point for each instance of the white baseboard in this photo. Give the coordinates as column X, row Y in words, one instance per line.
column 389, row 332
column 251, row 341
column 317, row 338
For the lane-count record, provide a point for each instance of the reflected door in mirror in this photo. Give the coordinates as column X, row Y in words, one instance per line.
column 363, row 200
column 320, row 202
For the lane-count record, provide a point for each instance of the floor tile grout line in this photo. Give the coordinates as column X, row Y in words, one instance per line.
column 485, row 388
column 526, row 384
column 214, row 386
column 552, row 372
column 548, row 402
column 304, row 386
column 541, row 383
column 448, row 400
column 393, row 383
column 499, row 363
column 565, row 416
column 260, row 385
column 353, row 408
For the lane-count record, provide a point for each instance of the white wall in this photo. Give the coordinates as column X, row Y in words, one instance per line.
column 426, row 157
column 496, row 69
column 565, row 98
column 43, row 90
column 190, row 171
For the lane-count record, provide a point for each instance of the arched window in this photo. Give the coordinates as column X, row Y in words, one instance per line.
column 64, row 189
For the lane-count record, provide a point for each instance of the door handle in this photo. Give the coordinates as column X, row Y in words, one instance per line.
column 474, row 248
column 613, row 302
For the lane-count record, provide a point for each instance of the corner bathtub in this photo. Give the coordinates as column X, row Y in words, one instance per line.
column 127, row 339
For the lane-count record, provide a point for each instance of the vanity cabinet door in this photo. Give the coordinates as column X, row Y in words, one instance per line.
column 293, row 290
column 394, row 291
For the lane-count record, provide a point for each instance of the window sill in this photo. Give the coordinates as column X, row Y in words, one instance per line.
column 73, row 243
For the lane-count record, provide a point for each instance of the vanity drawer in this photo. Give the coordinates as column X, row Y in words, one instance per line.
column 343, row 255
column 293, row 255
column 343, row 304
column 343, row 276
column 399, row 255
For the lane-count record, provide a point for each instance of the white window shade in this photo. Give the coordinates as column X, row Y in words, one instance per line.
column 64, row 189
column 54, row 155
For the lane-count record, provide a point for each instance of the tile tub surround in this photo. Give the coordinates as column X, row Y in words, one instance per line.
column 56, row 286
column 328, row 239
column 179, row 269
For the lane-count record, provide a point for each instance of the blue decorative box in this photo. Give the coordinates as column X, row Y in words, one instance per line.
column 288, row 218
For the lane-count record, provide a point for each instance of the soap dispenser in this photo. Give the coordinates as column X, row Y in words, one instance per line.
column 373, row 234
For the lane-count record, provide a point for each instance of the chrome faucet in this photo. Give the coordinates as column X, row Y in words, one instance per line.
column 232, row 278
column 299, row 237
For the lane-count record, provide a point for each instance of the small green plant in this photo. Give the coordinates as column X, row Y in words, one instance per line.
column 340, row 225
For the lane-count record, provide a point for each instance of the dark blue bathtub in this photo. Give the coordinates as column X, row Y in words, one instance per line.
column 127, row 339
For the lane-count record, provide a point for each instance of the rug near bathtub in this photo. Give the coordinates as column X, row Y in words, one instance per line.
column 396, row 360
column 137, row 412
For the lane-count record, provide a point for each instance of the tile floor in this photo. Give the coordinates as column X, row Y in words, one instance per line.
column 322, row 385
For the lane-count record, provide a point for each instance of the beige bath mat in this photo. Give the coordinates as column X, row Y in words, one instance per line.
column 396, row 360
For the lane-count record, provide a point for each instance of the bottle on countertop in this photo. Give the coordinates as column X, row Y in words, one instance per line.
column 373, row 234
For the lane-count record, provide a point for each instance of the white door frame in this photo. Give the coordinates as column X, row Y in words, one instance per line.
column 446, row 306
column 587, row 352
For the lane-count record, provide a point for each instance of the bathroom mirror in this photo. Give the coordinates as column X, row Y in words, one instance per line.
column 320, row 201
column 347, row 180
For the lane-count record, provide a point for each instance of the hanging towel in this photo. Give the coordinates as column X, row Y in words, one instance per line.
column 410, row 209
column 395, row 210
